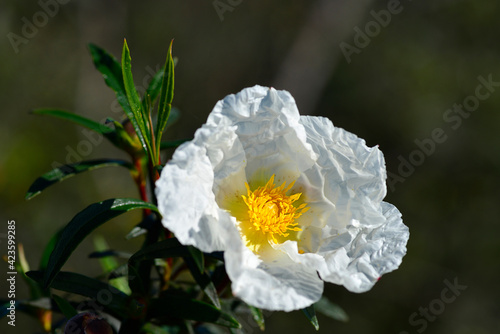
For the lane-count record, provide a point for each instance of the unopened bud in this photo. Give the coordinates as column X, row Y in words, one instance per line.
column 87, row 323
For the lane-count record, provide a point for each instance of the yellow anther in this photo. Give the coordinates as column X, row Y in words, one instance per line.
column 271, row 210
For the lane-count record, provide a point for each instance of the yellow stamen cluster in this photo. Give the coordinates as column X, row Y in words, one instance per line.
column 271, row 211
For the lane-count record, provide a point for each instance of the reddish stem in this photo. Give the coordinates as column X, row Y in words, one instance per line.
column 140, row 180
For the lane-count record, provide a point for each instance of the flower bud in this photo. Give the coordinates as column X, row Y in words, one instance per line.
column 87, row 323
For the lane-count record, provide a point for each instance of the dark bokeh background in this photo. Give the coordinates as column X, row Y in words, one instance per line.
column 393, row 92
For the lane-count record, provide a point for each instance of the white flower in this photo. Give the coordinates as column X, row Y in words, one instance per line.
column 291, row 200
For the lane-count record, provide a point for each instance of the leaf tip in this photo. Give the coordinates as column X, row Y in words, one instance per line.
column 31, row 194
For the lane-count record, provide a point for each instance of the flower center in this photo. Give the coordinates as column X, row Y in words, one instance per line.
column 271, row 210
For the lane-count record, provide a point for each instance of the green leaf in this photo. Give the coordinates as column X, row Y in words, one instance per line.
column 173, row 306
column 155, row 84
column 48, row 250
column 109, row 264
column 112, row 299
column 75, row 118
column 138, row 115
column 331, row 310
column 149, row 328
column 111, row 70
column 198, row 258
column 166, row 96
column 66, row 308
column 121, row 271
column 67, row 171
column 83, row 224
column 154, row 87
column 258, row 316
column 195, row 264
column 22, row 267
column 109, row 253
column 128, row 142
column 310, row 313
column 162, row 249
column 99, row 128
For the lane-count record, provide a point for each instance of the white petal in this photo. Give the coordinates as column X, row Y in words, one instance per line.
column 267, row 125
column 353, row 167
column 359, row 236
column 187, row 202
column 370, row 253
column 281, row 284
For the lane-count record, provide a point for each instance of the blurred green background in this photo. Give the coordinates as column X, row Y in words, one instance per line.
column 393, row 90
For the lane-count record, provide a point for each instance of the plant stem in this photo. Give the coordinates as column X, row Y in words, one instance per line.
column 140, row 181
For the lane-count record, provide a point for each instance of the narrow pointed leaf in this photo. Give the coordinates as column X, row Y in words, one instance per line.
column 173, row 306
column 310, row 313
column 163, row 249
column 201, row 277
column 48, row 250
column 66, row 308
column 67, row 171
column 109, row 253
column 75, row 118
column 109, row 264
column 154, row 87
column 82, row 225
column 331, row 310
column 198, row 258
column 166, row 95
column 112, row 299
column 119, row 272
column 111, row 70
column 22, row 267
column 258, row 316
column 102, row 129
column 137, row 116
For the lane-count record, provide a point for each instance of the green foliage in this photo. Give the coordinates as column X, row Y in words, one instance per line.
column 166, row 97
column 66, row 308
column 111, row 299
column 80, row 227
column 80, row 120
column 192, row 309
column 310, row 313
column 66, row 171
column 331, row 310
column 258, row 317
column 109, row 264
column 136, row 112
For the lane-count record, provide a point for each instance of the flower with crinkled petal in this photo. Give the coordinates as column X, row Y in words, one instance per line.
column 291, row 200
